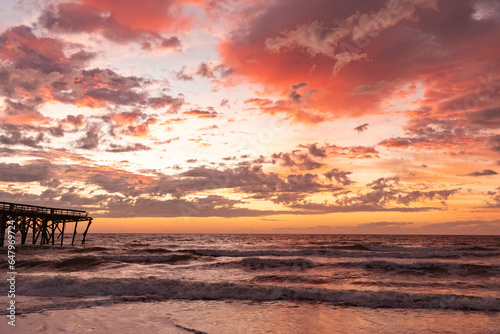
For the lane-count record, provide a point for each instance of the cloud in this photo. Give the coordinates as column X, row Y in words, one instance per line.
column 120, row 191
column 13, row 136
column 385, row 224
column 37, row 70
column 350, row 152
column 83, row 18
column 131, row 123
column 316, row 151
column 494, row 142
column 201, row 113
column 181, row 75
column 340, row 176
column 315, row 38
column 205, row 72
column 36, row 171
column 483, row 173
column 465, row 227
column 423, row 130
column 151, row 15
column 286, row 107
column 486, row 118
column 217, row 72
column 295, row 159
column 114, row 148
column 388, row 191
column 22, row 48
column 361, row 128
column 210, row 206
column 494, row 201
column 91, row 139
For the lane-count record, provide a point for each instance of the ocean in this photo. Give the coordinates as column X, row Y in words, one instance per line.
column 252, row 283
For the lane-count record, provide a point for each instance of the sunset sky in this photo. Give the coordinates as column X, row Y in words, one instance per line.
column 324, row 116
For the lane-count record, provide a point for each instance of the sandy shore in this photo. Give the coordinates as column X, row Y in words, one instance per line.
column 221, row 317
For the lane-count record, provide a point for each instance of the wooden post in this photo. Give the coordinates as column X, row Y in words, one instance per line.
column 3, row 226
column 62, row 232
column 24, row 225
column 35, row 229
column 85, row 233
column 53, row 236
column 74, row 233
column 44, row 239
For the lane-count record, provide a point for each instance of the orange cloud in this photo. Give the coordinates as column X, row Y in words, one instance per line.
column 201, row 113
column 354, row 60
column 153, row 15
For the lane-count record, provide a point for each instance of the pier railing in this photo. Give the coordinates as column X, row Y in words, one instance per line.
column 15, row 207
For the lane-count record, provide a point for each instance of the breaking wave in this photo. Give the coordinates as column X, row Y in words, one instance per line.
column 255, row 263
column 354, row 251
column 421, row 268
column 150, row 259
column 164, row 289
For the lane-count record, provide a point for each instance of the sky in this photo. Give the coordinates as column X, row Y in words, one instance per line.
column 232, row 116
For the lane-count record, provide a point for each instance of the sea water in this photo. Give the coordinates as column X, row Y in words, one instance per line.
column 242, row 283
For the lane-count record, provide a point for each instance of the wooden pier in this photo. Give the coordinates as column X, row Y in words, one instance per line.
column 47, row 224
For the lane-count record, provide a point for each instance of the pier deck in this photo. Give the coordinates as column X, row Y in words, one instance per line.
column 46, row 223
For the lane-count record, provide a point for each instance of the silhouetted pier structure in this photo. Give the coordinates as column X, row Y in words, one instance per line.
column 44, row 222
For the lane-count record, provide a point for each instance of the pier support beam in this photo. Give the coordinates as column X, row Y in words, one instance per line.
column 85, row 233
column 74, row 234
column 3, row 226
column 62, row 232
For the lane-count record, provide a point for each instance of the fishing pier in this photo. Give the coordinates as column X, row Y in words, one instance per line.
column 46, row 224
